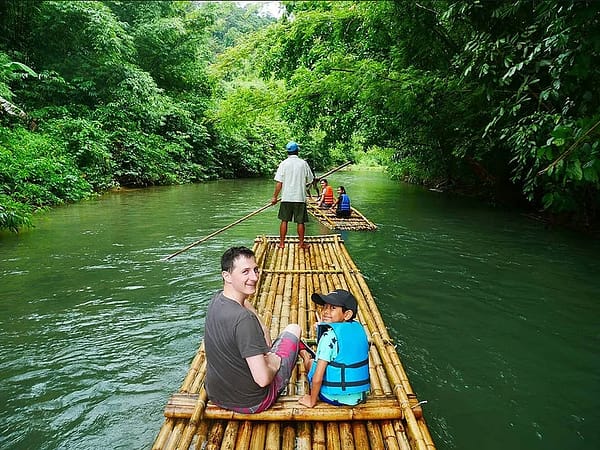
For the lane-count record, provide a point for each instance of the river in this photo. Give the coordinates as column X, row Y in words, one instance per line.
column 496, row 318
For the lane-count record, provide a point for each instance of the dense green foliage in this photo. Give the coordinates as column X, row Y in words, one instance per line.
column 502, row 96
column 499, row 99
column 97, row 95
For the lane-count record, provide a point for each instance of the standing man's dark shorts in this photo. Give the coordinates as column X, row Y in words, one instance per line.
column 295, row 211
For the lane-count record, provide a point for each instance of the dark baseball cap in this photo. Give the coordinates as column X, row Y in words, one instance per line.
column 339, row 297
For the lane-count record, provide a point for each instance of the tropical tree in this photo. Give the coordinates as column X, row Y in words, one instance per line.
column 534, row 62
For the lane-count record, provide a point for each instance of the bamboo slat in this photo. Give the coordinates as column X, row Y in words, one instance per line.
column 392, row 416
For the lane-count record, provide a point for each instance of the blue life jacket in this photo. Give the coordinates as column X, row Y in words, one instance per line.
column 349, row 371
column 344, row 204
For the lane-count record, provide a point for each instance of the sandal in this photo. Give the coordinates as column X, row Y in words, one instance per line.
column 303, row 346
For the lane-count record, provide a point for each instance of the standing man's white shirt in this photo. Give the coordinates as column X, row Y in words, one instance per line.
column 295, row 174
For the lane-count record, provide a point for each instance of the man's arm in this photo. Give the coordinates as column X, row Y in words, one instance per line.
column 278, row 186
column 264, row 367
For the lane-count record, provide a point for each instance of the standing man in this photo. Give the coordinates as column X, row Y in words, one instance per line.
column 244, row 371
column 293, row 174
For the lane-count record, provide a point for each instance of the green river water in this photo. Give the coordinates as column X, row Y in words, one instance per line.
column 497, row 319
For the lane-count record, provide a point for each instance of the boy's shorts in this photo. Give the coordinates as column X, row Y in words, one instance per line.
column 295, row 211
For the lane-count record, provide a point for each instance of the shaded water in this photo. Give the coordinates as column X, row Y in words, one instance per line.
column 496, row 319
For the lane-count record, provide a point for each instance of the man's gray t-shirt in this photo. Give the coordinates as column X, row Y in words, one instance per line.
column 231, row 334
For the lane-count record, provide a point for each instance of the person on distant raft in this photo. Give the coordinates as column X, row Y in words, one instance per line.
column 326, row 197
column 342, row 204
column 245, row 372
column 293, row 174
column 339, row 373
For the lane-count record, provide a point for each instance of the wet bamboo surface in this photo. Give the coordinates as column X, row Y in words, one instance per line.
column 356, row 222
column 390, row 419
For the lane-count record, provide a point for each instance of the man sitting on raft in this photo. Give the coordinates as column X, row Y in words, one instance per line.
column 245, row 371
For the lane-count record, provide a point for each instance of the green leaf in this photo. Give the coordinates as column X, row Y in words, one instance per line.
column 574, row 170
column 547, row 200
column 590, row 175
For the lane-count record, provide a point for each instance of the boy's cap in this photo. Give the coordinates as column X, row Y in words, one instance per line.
column 291, row 146
column 339, row 297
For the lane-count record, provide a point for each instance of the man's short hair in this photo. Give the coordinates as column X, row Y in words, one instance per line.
column 232, row 254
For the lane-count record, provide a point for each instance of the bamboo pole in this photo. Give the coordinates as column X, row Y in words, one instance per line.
column 361, row 439
column 380, row 410
column 288, row 441
column 333, row 436
column 229, row 437
column 163, row 436
column 202, row 433
column 193, row 244
column 319, row 441
column 259, row 433
column 188, row 434
column 375, row 436
column 389, row 435
column 244, row 435
column 346, row 436
column 273, row 435
column 359, row 214
column 334, row 170
column 215, row 437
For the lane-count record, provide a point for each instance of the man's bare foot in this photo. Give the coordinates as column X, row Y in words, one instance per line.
column 305, row 246
column 281, row 245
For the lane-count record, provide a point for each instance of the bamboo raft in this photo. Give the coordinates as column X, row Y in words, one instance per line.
column 356, row 222
column 391, row 418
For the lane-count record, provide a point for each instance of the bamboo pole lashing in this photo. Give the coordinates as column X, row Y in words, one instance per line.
column 194, row 420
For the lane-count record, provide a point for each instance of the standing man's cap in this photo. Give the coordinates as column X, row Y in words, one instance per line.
column 291, row 146
column 339, row 297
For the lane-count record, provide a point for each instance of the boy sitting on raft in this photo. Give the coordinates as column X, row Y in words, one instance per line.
column 339, row 373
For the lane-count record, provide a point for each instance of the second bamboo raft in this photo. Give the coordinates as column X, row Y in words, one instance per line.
column 356, row 222
column 390, row 419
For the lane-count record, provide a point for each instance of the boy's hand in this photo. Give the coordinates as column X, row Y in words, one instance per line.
column 307, row 400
